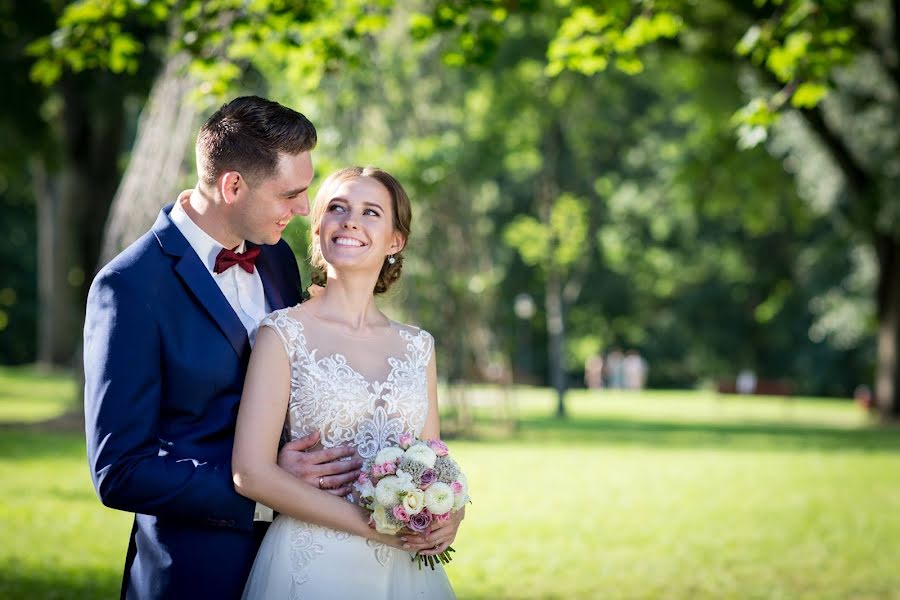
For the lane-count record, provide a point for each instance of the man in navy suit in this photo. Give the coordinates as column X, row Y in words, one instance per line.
column 168, row 331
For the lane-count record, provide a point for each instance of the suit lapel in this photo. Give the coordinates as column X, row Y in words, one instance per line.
column 268, row 275
column 200, row 283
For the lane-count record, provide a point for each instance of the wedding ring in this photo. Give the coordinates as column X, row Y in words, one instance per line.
column 321, row 483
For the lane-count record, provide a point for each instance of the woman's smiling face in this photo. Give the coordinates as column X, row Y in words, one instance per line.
column 357, row 227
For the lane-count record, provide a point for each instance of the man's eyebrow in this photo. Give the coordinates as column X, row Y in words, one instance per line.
column 294, row 192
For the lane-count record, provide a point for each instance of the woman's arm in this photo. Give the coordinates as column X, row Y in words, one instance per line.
column 254, row 465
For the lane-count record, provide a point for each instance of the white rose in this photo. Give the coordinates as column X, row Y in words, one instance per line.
column 366, row 490
column 382, row 523
column 387, row 492
column 389, row 454
column 422, row 454
column 404, row 481
column 414, row 502
column 460, row 498
column 439, row 498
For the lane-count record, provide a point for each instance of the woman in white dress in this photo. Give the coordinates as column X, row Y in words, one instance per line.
column 337, row 365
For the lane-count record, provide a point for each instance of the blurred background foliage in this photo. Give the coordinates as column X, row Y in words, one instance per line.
column 713, row 184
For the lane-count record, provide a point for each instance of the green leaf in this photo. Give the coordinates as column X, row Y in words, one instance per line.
column 808, row 94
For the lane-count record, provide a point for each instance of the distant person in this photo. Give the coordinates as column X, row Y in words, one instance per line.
column 745, row 382
column 634, row 370
column 862, row 394
column 593, row 372
column 615, row 377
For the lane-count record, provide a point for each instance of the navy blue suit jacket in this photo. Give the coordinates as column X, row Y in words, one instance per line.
column 164, row 360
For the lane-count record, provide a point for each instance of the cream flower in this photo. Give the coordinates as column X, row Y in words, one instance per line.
column 383, row 523
column 389, row 454
column 414, row 502
column 439, row 498
column 387, row 492
column 423, row 454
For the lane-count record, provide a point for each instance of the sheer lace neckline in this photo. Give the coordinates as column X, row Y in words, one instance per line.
column 389, row 328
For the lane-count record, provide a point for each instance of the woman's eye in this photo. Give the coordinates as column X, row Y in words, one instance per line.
column 336, row 207
column 372, row 212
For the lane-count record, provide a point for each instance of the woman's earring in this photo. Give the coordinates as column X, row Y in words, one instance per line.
column 391, row 259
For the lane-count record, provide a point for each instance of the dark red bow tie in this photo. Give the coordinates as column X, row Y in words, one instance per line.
column 228, row 258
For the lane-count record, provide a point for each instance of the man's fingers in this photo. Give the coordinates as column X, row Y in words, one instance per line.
column 341, row 481
column 333, row 481
column 341, row 491
column 341, row 467
column 327, row 455
column 304, row 443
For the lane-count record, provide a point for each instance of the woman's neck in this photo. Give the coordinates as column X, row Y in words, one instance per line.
column 349, row 301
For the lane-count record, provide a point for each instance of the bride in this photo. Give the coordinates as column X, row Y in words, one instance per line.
column 338, row 366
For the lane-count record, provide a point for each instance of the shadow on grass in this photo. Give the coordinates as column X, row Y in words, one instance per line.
column 85, row 584
column 34, row 443
column 726, row 435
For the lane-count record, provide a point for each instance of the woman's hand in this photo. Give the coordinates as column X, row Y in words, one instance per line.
column 438, row 539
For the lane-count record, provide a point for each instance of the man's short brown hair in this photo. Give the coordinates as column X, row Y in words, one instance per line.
column 247, row 135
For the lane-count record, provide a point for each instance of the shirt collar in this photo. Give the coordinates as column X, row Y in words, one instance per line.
column 203, row 244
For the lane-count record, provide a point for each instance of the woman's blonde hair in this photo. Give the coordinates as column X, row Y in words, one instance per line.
column 402, row 210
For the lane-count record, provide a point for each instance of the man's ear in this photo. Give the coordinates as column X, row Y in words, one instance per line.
column 231, row 185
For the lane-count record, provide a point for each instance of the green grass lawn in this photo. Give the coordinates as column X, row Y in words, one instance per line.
column 672, row 495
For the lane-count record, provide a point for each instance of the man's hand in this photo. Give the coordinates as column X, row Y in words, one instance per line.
column 322, row 468
column 314, row 290
column 436, row 541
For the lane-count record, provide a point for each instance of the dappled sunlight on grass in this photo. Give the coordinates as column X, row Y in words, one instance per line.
column 28, row 394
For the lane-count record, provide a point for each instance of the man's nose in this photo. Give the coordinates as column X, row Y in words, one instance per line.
column 301, row 206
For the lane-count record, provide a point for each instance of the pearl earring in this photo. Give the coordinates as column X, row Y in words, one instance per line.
column 391, row 259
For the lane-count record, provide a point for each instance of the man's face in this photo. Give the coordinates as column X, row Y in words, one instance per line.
column 268, row 207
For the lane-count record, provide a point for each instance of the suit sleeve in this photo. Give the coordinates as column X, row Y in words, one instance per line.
column 122, row 402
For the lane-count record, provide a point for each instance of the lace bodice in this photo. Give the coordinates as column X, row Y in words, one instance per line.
column 359, row 391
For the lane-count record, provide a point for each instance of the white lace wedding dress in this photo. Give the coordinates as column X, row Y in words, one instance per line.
column 359, row 391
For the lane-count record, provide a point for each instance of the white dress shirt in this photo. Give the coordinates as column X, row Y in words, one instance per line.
column 244, row 291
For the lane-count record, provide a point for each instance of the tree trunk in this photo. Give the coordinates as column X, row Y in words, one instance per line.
column 556, row 333
column 72, row 206
column 887, row 373
column 157, row 161
column 55, row 295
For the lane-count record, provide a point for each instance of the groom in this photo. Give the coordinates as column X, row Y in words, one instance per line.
column 168, row 331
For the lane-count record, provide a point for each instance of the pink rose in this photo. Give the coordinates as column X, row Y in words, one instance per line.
column 457, row 487
column 443, row 517
column 362, row 479
column 389, row 468
column 378, row 471
column 400, row 514
column 439, row 447
column 405, row 440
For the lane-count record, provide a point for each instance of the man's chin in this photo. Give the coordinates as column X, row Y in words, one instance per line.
column 270, row 240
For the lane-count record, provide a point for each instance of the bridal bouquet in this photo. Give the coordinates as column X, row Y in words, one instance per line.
column 412, row 485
